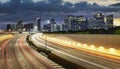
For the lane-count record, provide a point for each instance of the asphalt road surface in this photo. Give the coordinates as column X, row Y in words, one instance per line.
column 17, row 54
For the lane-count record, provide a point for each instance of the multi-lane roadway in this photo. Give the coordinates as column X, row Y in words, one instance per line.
column 86, row 59
column 15, row 53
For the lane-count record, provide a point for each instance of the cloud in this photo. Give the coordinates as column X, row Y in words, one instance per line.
column 29, row 10
column 4, row 1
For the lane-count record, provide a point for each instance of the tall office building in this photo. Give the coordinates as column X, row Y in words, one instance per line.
column 47, row 28
column 35, row 26
column 66, row 24
column 19, row 26
column 91, row 23
column 13, row 27
column 8, row 28
column 26, row 27
column 109, row 21
column 52, row 25
column 99, row 21
column 72, row 23
column 77, row 23
column 81, row 23
column 31, row 26
column 38, row 21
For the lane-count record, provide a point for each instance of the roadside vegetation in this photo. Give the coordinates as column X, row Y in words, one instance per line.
column 114, row 30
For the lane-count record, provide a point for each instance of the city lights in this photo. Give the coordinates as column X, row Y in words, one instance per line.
column 92, row 47
column 79, row 45
column 69, row 42
column 4, row 37
column 112, row 50
column 101, row 49
column 65, row 42
column 85, row 45
column 74, row 43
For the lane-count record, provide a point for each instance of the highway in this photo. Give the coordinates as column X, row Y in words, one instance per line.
column 86, row 59
column 15, row 53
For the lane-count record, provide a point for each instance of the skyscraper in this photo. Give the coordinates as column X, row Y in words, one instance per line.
column 19, row 26
column 66, row 24
column 38, row 21
column 81, row 23
column 71, row 22
column 52, row 25
column 109, row 21
column 37, row 25
column 13, row 27
column 99, row 21
column 8, row 27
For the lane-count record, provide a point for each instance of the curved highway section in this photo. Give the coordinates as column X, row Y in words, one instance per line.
column 17, row 54
column 90, row 61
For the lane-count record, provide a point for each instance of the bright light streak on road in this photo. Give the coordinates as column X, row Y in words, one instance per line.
column 69, row 55
column 62, row 41
column 69, row 42
column 101, row 49
column 79, row 44
column 112, row 50
column 74, row 43
column 92, row 47
column 65, row 42
column 84, row 46
column 4, row 37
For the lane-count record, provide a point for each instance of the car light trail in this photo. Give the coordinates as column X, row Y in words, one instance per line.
column 79, row 44
column 112, row 50
column 74, row 43
column 4, row 37
column 101, row 49
column 69, row 43
column 85, row 46
column 92, row 47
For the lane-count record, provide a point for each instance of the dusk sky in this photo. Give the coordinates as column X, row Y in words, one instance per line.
column 28, row 10
column 100, row 2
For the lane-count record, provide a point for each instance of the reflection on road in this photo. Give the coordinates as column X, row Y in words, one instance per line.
column 16, row 54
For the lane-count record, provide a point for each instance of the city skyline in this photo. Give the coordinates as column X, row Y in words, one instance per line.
column 28, row 10
column 60, row 34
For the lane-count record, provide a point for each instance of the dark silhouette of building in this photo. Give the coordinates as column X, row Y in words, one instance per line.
column 19, row 26
column 8, row 28
column 38, row 21
column 76, row 23
column 28, row 27
column 81, row 23
column 99, row 21
column 52, row 25
column 109, row 21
